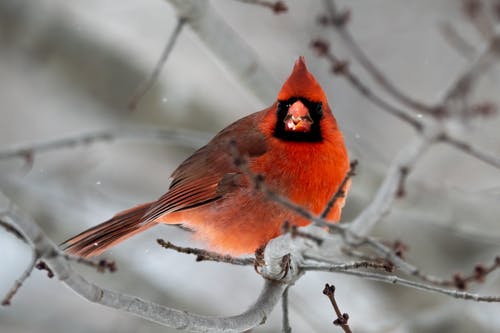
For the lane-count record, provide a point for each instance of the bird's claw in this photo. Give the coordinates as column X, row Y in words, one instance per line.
column 260, row 262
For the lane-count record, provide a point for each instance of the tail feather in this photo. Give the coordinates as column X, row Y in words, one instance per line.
column 96, row 240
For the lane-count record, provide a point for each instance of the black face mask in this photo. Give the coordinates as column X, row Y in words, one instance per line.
column 315, row 111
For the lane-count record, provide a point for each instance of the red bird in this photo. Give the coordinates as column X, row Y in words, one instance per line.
column 295, row 144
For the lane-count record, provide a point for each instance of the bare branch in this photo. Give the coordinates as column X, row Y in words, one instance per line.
column 277, row 7
column 339, row 23
column 186, row 138
column 479, row 274
column 284, row 307
column 388, row 191
column 461, row 88
column 19, row 282
column 342, row 318
column 456, row 41
column 231, row 49
column 340, row 193
column 475, row 11
column 204, row 255
column 390, row 255
column 143, row 88
column 101, row 265
column 392, row 279
column 12, row 230
column 472, row 150
column 330, row 267
column 296, row 232
column 170, row 317
column 341, row 68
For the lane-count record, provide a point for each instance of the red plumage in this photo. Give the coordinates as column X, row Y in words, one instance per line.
column 295, row 144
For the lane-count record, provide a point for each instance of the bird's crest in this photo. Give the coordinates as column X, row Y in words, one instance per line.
column 301, row 83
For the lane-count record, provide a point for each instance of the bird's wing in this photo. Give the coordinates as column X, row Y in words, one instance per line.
column 211, row 172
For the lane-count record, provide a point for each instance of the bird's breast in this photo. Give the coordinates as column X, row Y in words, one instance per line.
column 308, row 174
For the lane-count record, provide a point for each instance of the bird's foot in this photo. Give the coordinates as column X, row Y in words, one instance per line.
column 260, row 263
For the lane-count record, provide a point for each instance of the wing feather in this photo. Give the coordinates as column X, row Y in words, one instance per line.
column 210, row 172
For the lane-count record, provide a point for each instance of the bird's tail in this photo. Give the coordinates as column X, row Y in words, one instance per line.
column 96, row 240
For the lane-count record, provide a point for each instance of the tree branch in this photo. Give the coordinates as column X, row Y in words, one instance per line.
column 456, row 41
column 284, row 307
column 341, row 68
column 19, row 282
column 59, row 264
column 202, row 255
column 277, row 7
column 388, row 190
column 340, row 193
column 232, row 51
column 342, row 318
column 392, row 279
column 472, row 150
column 183, row 137
column 339, row 21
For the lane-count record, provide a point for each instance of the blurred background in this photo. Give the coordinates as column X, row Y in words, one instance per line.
column 70, row 67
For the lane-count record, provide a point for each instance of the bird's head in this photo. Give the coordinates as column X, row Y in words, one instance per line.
column 301, row 107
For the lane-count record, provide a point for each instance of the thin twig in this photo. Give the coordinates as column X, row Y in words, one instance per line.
column 340, row 193
column 390, row 255
column 11, row 229
column 457, row 41
column 202, row 255
column 472, row 150
column 342, row 318
column 19, row 282
column 392, row 279
column 101, row 265
column 479, row 274
column 475, row 11
column 388, row 190
column 145, row 85
column 462, row 86
column 340, row 25
column 284, row 306
column 277, row 7
column 342, row 68
column 185, row 138
column 295, row 232
column 319, row 266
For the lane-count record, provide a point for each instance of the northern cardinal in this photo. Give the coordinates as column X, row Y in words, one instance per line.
column 294, row 144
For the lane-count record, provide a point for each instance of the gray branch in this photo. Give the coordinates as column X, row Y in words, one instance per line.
column 183, row 320
column 231, row 49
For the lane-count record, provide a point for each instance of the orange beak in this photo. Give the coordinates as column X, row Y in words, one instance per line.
column 298, row 118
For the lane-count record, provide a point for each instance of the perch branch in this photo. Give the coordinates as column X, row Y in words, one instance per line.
column 166, row 316
column 202, row 255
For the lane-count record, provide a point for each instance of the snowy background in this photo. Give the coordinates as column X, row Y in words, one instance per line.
column 68, row 67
